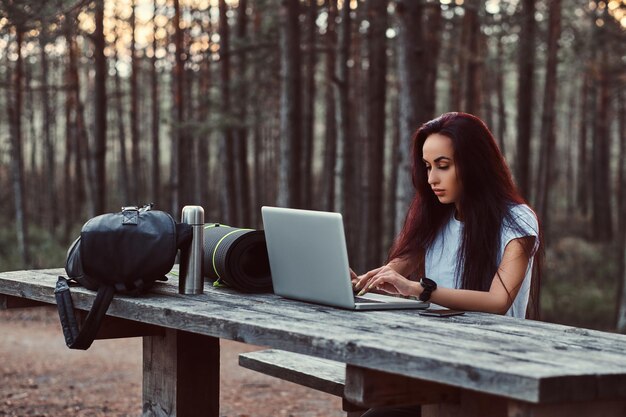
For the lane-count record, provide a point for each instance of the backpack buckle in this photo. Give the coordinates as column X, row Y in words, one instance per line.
column 130, row 216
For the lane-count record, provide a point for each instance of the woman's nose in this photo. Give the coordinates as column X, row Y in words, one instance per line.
column 432, row 177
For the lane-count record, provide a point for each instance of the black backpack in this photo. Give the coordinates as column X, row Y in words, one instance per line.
column 123, row 252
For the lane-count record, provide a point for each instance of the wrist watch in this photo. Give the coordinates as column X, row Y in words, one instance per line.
column 429, row 286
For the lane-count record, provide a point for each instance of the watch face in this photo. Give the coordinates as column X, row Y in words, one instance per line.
column 428, row 283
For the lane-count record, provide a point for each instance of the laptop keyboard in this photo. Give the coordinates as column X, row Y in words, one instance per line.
column 365, row 300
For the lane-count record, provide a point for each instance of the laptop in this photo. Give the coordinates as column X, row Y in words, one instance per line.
column 309, row 261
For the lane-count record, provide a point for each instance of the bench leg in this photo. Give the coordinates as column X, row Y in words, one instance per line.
column 181, row 375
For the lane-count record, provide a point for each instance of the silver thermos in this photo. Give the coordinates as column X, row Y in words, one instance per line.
column 191, row 278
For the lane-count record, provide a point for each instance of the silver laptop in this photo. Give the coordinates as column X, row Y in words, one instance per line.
column 309, row 261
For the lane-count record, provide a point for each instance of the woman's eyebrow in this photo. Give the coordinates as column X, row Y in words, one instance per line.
column 441, row 158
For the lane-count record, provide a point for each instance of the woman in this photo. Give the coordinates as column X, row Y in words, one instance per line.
column 467, row 230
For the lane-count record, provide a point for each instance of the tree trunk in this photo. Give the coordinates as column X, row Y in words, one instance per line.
column 570, row 184
column 135, row 179
column 356, row 151
column 83, row 178
column 327, row 180
column 502, row 122
column 227, row 150
column 344, row 177
column 602, row 216
column 177, row 165
column 376, row 95
column 32, row 184
column 124, row 181
column 17, row 160
column 71, row 196
column 621, row 230
column 205, row 107
column 49, row 122
column 241, row 133
column 432, row 44
column 525, row 95
column 390, row 212
column 290, row 106
column 308, row 109
column 458, row 59
column 474, row 60
column 100, row 110
column 583, row 159
column 259, row 165
column 548, row 119
column 411, row 77
column 154, row 89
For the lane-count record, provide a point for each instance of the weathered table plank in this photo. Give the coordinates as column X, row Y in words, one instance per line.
column 517, row 359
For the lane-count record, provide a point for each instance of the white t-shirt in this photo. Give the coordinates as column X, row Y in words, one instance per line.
column 442, row 255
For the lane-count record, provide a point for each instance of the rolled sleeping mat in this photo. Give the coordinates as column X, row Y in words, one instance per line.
column 237, row 257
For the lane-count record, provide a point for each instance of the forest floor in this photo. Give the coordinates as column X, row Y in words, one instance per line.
column 40, row 376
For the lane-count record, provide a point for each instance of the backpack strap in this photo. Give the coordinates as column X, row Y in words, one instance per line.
column 83, row 338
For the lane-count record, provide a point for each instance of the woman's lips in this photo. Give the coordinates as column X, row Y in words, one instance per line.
column 439, row 192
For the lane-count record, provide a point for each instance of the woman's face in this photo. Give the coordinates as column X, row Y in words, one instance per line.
column 438, row 155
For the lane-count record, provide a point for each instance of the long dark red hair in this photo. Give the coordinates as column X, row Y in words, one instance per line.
column 487, row 193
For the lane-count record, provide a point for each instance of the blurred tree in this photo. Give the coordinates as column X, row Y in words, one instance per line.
column 241, row 132
column 548, row 120
column 124, row 179
column 204, row 191
column 411, row 77
column 308, row 108
column 290, row 106
column 98, row 177
column 583, row 194
column 344, row 173
column 432, row 45
column 155, row 122
column 14, row 104
column 417, row 52
column 501, row 106
column 473, row 58
column 602, row 224
column 135, row 180
column 326, row 181
column 621, row 229
column 375, row 144
column 179, row 164
column 525, row 91
column 51, row 205
column 227, row 146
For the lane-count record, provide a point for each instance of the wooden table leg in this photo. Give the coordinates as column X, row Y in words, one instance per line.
column 181, row 374
column 577, row 409
column 475, row 404
column 471, row 404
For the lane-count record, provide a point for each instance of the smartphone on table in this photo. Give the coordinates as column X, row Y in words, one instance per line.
column 441, row 312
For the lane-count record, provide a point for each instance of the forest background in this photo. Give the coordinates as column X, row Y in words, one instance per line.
column 312, row 103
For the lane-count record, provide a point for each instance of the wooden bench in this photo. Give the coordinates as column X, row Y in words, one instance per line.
column 316, row 373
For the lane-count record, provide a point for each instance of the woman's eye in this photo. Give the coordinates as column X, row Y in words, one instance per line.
column 443, row 168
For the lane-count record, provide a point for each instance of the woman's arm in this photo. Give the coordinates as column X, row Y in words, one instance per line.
column 504, row 287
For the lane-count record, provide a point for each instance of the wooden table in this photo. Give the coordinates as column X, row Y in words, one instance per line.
column 472, row 365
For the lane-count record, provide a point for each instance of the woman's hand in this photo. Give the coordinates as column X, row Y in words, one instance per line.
column 386, row 279
column 354, row 278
